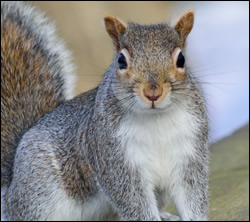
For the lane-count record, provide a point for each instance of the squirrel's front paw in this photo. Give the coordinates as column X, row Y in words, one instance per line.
column 165, row 216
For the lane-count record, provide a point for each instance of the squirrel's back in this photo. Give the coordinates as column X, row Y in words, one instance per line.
column 36, row 75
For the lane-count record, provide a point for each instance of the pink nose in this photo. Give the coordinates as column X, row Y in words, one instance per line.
column 153, row 97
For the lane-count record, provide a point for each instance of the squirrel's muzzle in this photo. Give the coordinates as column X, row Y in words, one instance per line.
column 152, row 92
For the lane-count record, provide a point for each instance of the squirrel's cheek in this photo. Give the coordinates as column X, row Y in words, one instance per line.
column 124, row 77
column 177, row 75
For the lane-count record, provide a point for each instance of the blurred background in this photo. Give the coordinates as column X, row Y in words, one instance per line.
column 217, row 50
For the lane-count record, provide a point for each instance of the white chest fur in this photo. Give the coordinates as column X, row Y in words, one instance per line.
column 158, row 144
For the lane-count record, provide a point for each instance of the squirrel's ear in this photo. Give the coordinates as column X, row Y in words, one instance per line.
column 115, row 28
column 184, row 25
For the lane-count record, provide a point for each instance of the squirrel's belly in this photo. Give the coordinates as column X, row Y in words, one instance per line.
column 159, row 163
column 159, row 147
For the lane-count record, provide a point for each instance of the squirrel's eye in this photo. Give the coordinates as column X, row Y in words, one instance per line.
column 180, row 61
column 122, row 62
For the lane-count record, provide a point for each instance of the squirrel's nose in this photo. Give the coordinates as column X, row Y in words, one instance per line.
column 153, row 97
column 153, row 94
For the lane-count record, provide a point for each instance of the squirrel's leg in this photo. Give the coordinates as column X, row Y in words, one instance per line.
column 189, row 191
column 131, row 197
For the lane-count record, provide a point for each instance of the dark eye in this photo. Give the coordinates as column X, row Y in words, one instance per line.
column 180, row 61
column 122, row 62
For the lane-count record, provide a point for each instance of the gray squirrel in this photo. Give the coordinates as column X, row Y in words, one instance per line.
column 120, row 151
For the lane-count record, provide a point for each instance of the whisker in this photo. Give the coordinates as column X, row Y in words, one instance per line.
column 178, row 103
column 179, row 93
column 124, row 112
column 213, row 74
column 205, row 67
column 125, row 98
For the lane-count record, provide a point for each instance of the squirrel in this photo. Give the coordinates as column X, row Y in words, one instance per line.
column 122, row 150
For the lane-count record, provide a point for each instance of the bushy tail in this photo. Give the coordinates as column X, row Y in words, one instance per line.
column 36, row 75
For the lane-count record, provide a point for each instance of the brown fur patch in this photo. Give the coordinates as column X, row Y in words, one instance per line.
column 27, row 90
column 77, row 177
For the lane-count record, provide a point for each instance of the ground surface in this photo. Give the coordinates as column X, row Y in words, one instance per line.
column 229, row 181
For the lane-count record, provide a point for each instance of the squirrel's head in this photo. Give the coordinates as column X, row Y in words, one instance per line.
column 149, row 59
